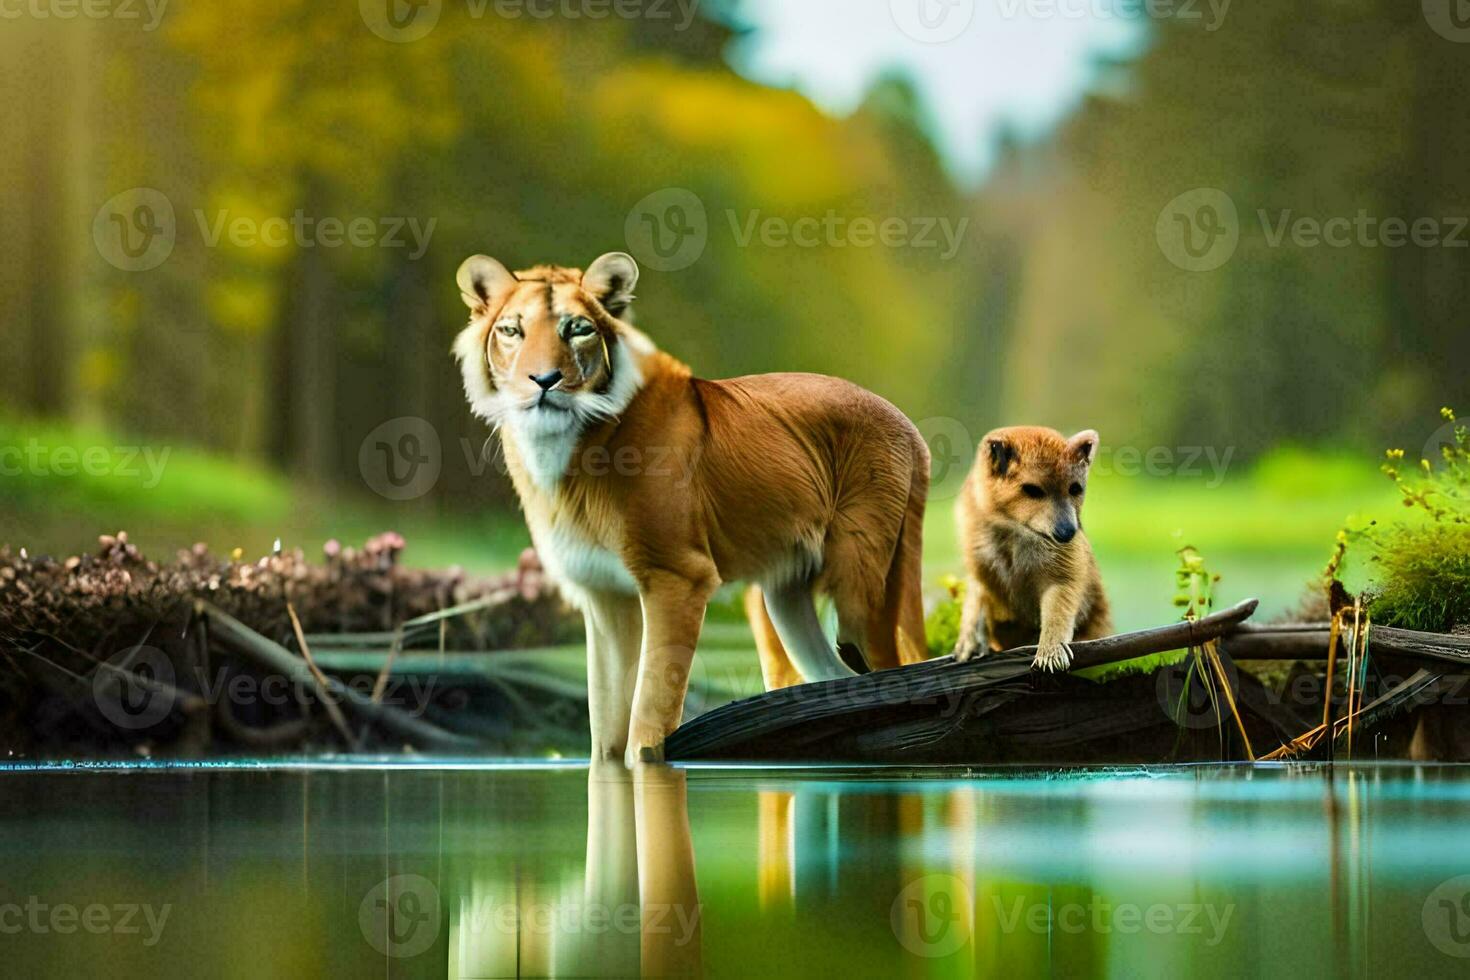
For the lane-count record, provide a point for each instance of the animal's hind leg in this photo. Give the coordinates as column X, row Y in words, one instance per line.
column 791, row 609
column 777, row 669
column 854, row 570
column 903, row 600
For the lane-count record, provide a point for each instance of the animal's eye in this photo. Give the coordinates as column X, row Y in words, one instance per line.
column 1033, row 491
column 580, row 327
column 509, row 328
column 1075, row 489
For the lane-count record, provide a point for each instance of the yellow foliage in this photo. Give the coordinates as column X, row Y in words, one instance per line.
column 97, row 370
column 786, row 152
column 241, row 304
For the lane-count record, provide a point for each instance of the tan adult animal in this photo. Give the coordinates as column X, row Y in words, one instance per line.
column 645, row 488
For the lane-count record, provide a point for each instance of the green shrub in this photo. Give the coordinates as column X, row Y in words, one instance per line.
column 942, row 627
column 1420, row 572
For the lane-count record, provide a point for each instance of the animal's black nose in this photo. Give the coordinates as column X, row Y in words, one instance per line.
column 1064, row 532
column 548, row 380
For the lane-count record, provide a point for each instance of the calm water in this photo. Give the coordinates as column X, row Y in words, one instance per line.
column 496, row 872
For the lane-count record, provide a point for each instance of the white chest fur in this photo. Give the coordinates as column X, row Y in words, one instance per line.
column 580, row 565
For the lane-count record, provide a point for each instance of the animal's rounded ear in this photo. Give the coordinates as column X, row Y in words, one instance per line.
column 1001, row 454
column 1084, row 446
column 612, row 280
column 481, row 277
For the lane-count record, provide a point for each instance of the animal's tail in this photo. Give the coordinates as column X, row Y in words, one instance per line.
column 904, row 590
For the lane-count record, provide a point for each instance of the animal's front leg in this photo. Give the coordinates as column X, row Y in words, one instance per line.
column 974, row 638
column 614, row 636
column 673, row 614
column 1059, row 606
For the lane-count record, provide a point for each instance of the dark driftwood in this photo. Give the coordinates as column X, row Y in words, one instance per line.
column 1309, row 641
column 275, row 657
column 886, row 714
column 1421, row 688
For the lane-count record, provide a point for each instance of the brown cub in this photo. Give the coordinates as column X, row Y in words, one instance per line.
column 1032, row 577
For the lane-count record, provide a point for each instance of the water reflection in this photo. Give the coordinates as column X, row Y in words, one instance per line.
column 634, row 911
column 485, row 872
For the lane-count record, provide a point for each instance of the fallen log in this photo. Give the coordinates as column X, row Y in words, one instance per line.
column 277, row 658
column 1309, row 641
column 917, row 705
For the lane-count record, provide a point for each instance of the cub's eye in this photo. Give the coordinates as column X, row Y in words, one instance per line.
column 1033, row 491
column 509, row 328
column 1075, row 489
column 580, row 327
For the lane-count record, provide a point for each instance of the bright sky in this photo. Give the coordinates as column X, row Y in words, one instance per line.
column 1025, row 63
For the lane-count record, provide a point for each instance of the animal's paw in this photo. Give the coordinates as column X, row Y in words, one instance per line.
column 1052, row 658
column 647, row 754
column 971, row 648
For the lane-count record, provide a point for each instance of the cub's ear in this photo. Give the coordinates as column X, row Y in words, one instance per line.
column 1001, row 454
column 481, row 277
column 612, row 279
column 1083, row 446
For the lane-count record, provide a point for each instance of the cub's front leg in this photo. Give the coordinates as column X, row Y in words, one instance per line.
column 1059, row 605
column 673, row 614
column 974, row 638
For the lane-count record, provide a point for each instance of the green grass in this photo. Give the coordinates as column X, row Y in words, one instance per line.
column 62, row 486
column 47, row 466
column 1267, row 531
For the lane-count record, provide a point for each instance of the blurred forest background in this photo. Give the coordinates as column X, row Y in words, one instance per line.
column 262, row 369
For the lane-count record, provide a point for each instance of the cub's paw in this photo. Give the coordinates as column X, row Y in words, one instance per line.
column 970, row 648
column 1052, row 658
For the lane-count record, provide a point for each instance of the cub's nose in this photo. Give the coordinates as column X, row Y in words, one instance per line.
column 548, row 380
column 1064, row 532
